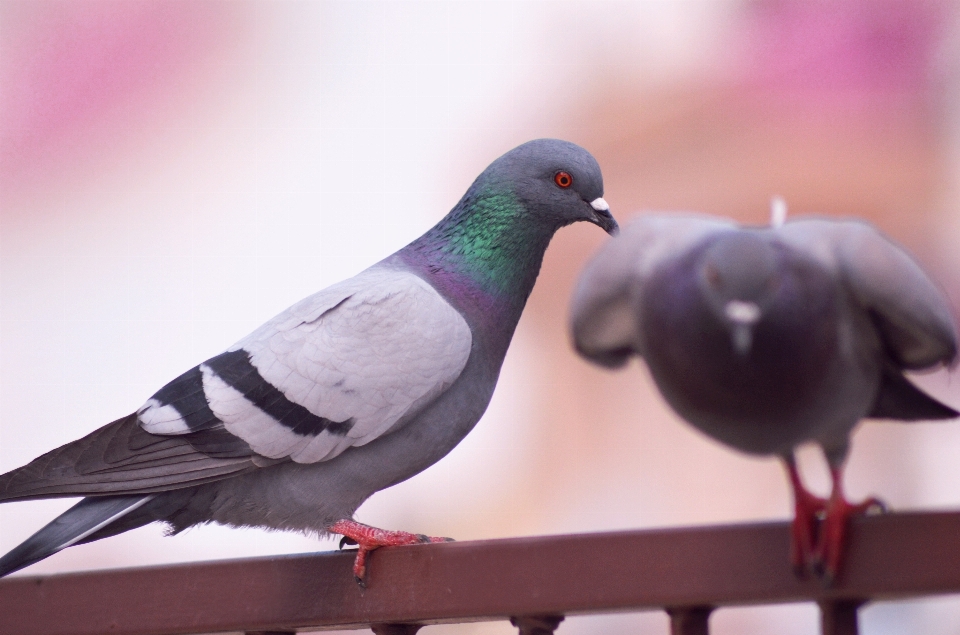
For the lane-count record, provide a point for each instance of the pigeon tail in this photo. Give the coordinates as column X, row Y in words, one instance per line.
column 899, row 399
column 88, row 517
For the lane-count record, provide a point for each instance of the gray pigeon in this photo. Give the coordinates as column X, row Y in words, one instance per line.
column 352, row 390
column 765, row 338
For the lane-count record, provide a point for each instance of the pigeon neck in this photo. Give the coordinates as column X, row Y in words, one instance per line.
column 486, row 252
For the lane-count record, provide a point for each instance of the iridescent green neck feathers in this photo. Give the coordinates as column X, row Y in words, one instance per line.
column 491, row 240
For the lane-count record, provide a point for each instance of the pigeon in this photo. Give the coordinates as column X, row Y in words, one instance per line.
column 768, row 337
column 347, row 392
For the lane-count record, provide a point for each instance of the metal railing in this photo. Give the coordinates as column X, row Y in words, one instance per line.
column 533, row 582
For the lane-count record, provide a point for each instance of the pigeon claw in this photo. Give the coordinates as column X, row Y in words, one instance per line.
column 833, row 533
column 805, row 532
column 369, row 539
column 819, row 531
column 809, row 511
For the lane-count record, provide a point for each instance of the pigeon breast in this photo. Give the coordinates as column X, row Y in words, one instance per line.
column 748, row 400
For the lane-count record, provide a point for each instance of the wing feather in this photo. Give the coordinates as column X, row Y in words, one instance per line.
column 388, row 344
column 910, row 311
column 336, row 370
column 120, row 458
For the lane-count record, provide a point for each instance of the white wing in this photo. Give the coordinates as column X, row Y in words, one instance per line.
column 338, row 369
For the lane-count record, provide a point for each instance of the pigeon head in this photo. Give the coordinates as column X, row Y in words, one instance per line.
column 492, row 242
column 738, row 276
column 557, row 182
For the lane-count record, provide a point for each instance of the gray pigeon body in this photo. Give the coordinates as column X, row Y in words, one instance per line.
column 765, row 338
column 350, row 391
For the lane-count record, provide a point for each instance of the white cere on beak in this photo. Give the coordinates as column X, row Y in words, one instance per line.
column 742, row 338
column 600, row 205
column 778, row 211
column 740, row 312
column 743, row 315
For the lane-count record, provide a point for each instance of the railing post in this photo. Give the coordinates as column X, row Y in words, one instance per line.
column 690, row 620
column 537, row 624
column 395, row 629
column 839, row 617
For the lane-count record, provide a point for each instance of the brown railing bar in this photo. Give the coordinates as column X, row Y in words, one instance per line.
column 889, row 556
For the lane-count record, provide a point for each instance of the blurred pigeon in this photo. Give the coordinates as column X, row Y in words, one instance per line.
column 352, row 390
column 765, row 338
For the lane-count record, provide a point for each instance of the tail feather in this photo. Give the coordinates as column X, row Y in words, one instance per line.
column 899, row 399
column 89, row 516
column 122, row 459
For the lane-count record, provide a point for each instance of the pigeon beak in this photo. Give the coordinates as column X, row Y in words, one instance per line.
column 742, row 316
column 603, row 217
column 742, row 336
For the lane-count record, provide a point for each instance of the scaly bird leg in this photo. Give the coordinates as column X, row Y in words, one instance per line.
column 808, row 511
column 369, row 538
column 834, row 531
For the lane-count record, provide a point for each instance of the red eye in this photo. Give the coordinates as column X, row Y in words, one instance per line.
column 713, row 276
column 563, row 179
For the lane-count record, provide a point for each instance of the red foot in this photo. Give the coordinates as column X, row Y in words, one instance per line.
column 808, row 512
column 369, row 538
column 820, row 526
column 833, row 534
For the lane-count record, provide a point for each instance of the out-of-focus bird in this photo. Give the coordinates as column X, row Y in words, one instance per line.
column 765, row 338
column 352, row 390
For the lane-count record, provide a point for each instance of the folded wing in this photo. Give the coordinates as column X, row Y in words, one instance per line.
column 339, row 369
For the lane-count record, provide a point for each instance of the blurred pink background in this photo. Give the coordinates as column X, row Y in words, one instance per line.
column 172, row 174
